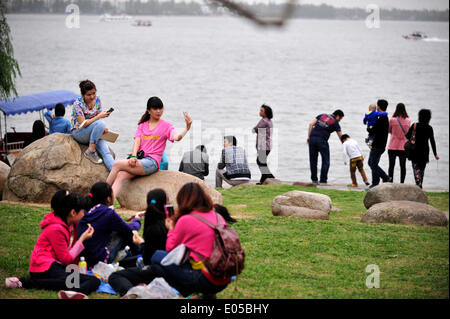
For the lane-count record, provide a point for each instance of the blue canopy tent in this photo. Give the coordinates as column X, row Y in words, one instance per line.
column 29, row 103
column 36, row 102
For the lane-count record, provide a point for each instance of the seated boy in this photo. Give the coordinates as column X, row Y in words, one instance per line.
column 57, row 122
column 370, row 118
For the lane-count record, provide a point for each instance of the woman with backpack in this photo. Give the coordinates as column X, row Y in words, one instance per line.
column 191, row 276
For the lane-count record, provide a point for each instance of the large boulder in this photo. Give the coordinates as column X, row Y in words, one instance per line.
column 50, row 164
column 302, row 204
column 387, row 192
column 133, row 194
column 4, row 171
column 405, row 212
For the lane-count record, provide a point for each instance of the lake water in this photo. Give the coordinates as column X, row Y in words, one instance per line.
column 221, row 69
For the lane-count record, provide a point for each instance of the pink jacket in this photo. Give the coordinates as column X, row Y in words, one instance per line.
column 53, row 245
column 398, row 138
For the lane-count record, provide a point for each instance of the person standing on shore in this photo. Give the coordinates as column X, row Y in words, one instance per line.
column 398, row 126
column 264, row 130
column 380, row 132
column 353, row 152
column 318, row 134
column 420, row 156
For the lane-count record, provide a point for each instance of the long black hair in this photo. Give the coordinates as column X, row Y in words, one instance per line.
column 153, row 103
column 155, row 231
column 223, row 211
column 64, row 201
column 425, row 116
column 98, row 194
column 156, row 199
column 268, row 111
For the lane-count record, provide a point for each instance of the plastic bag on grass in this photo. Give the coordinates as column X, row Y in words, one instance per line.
column 157, row 289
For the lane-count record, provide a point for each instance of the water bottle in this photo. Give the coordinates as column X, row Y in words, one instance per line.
column 140, row 262
column 82, row 266
column 122, row 254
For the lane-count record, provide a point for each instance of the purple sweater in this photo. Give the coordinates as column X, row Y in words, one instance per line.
column 104, row 220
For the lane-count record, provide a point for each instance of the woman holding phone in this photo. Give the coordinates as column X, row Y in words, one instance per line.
column 88, row 125
column 149, row 144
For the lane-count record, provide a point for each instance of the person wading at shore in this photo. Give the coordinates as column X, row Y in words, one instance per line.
column 318, row 134
column 149, row 144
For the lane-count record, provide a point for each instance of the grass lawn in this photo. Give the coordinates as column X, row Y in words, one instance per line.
column 289, row 257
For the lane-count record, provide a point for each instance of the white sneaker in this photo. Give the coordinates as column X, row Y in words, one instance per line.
column 93, row 156
column 13, row 282
column 67, row 294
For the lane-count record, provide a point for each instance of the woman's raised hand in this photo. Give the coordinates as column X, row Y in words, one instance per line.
column 103, row 114
column 188, row 120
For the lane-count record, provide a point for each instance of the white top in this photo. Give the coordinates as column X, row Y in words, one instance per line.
column 351, row 149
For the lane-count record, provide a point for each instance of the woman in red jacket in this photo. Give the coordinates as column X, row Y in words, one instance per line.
column 58, row 247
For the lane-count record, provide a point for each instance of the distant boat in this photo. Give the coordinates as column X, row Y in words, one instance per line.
column 416, row 36
column 142, row 23
column 115, row 17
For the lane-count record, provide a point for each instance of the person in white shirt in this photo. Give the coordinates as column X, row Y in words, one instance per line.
column 353, row 152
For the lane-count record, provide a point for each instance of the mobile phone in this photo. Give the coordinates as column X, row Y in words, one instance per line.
column 110, row 110
column 170, row 210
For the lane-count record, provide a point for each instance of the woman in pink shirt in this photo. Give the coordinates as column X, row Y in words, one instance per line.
column 191, row 276
column 398, row 127
column 149, row 144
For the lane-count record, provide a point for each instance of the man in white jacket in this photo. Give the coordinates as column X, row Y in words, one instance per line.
column 353, row 152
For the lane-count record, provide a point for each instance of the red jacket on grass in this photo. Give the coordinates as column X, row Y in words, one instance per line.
column 54, row 244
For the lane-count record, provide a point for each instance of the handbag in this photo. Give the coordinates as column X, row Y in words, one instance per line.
column 410, row 145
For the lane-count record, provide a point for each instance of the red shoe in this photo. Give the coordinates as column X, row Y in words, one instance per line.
column 67, row 294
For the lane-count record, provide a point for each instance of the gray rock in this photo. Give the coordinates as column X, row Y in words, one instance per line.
column 133, row 194
column 4, row 171
column 272, row 181
column 405, row 212
column 50, row 164
column 387, row 192
column 302, row 204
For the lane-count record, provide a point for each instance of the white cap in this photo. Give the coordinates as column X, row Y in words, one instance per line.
column 82, row 258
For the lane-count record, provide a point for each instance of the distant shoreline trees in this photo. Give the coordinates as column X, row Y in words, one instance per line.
column 209, row 7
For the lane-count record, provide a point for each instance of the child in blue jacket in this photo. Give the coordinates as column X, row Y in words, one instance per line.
column 370, row 119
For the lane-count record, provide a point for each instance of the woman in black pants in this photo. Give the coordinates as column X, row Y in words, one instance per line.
column 155, row 235
column 264, row 141
column 398, row 126
column 420, row 156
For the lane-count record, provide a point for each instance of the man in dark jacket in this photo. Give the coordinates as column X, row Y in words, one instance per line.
column 380, row 132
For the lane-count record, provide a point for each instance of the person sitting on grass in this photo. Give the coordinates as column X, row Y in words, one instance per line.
column 57, row 123
column 112, row 233
column 155, row 235
column 58, row 247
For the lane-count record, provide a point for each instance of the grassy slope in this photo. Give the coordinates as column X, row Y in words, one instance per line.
column 290, row 257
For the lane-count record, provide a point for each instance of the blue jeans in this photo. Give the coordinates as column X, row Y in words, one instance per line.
column 149, row 164
column 92, row 134
column 319, row 145
column 377, row 171
column 183, row 278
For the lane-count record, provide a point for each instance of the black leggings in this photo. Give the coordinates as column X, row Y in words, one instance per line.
column 393, row 154
column 124, row 280
column 55, row 279
column 261, row 160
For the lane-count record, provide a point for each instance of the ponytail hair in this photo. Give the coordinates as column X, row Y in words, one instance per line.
column 98, row 194
column 63, row 202
column 156, row 199
column 153, row 103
